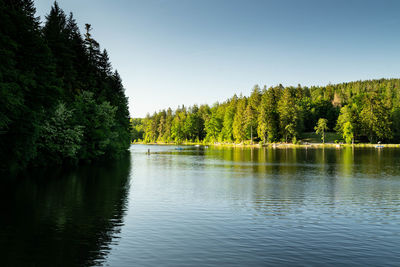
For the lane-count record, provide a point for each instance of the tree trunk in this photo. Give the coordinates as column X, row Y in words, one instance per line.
column 251, row 134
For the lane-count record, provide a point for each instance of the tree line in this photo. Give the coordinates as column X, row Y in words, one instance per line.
column 361, row 111
column 60, row 99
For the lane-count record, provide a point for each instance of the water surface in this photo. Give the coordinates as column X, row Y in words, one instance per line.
column 209, row 206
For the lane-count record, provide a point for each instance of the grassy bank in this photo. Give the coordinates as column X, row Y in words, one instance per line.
column 311, row 137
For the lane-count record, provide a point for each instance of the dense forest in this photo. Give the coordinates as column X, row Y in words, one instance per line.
column 60, row 100
column 362, row 111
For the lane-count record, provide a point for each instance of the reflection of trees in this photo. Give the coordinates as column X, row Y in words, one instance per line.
column 347, row 161
column 285, row 180
column 63, row 219
column 288, row 182
column 272, row 173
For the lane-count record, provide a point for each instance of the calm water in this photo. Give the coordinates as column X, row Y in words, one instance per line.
column 208, row 207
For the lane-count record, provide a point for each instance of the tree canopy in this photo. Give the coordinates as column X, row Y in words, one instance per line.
column 60, row 100
column 361, row 111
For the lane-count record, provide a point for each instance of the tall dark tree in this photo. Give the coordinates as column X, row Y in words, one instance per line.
column 58, row 94
column 28, row 83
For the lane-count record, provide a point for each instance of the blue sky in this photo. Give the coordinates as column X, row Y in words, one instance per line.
column 174, row 52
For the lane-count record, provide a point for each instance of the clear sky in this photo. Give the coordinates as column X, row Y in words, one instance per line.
column 174, row 52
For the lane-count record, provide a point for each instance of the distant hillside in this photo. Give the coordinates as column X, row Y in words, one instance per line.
column 362, row 111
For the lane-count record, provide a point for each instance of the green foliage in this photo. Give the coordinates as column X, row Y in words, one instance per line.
column 348, row 119
column 98, row 121
column 47, row 75
column 60, row 137
column 395, row 118
column 227, row 130
column 268, row 117
column 290, row 119
column 137, row 131
column 213, row 125
column 362, row 110
column 193, row 126
column 321, row 128
column 348, row 134
column 239, row 126
column 375, row 118
column 251, row 114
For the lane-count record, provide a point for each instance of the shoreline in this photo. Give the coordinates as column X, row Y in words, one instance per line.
column 275, row 145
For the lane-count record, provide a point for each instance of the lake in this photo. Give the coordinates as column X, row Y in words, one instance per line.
column 208, row 207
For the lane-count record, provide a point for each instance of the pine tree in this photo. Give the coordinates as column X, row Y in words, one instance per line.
column 268, row 117
column 288, row 115
column 51, row 81
column 239, row 131
column 227, row 129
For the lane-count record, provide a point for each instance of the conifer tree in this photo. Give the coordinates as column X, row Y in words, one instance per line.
column 239, row 130
column 227, row 129
column 288, row 115
column 55, row 85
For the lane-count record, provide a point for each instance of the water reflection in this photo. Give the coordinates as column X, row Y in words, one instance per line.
column 249, row 206
column 59, row 218
column 287, row 174
column 209, row 206
column 291, row 179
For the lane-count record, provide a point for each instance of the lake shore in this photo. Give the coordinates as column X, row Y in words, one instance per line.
column 277, row 145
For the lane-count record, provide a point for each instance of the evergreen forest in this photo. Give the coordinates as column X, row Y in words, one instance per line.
column 60, row 99
column 361, row 111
